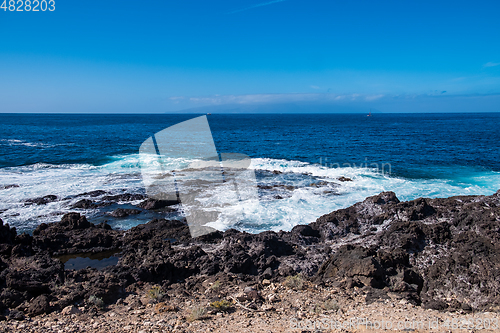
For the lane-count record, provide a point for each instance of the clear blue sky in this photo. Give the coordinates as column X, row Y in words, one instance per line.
column 161, row 56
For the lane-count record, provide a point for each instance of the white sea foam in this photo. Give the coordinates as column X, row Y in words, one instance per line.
column 301, row 205
column 15, row 142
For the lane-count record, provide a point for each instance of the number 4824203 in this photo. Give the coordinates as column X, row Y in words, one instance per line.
column 28, row 5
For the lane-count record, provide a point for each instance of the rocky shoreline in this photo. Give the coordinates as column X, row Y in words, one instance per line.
column 439, row 254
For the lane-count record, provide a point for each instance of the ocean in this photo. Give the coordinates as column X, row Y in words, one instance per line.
column 298, row 160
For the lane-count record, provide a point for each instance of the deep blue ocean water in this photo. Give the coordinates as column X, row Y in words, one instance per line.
column 434, row 155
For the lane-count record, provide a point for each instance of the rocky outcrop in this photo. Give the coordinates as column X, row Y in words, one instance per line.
column 450, row 245
column 83, row 204
column 74, row 234
column 438, row 253
column 124, row 212
column 151, row 204
column 42, row 200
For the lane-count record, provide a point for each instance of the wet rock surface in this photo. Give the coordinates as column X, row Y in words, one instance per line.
column 124, row 212
column 6, row 187
column 74, row 234
column 42, row 200
column 436, row 253
column 151, row 204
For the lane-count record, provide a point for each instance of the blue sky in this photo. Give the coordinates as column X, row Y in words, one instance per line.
column 166, row 56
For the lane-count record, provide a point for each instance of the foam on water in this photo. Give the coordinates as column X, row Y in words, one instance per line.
column 306, row 204
column 64, row 181
column 280, row 208
column 15, row 142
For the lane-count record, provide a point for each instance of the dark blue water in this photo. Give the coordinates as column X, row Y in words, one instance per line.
column 414, row 155
column 416, row 145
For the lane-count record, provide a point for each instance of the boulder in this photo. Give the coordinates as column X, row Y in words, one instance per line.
column 42, row 200
column 39, row 305
column 151, row 204
column 70, row 309
column 121, row 212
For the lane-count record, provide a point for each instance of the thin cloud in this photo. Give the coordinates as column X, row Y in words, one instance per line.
column 491, row 64
column 373, row 97
column 319, row 97
column 281, row 98
column 255, row 6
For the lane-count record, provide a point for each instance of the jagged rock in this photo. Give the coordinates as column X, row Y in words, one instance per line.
column 425, row 251
column 42, row 200
column 357, row 266
column 151, row 204
column 83, row 204
column 121, row 212
column 306, row 230
column 74, row 221
column 7, row 234
column 345, row 179
column 93, row 194
column 124, row 197
column 69, row 310
column 11, row 298
column 75, row 234
column 16, row 315
column 39, row 306
column 6, row 187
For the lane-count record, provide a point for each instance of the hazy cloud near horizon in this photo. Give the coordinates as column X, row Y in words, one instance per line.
column 303, row 103
column 295, row 103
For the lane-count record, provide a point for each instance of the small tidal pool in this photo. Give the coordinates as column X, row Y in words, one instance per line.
column 98, row 260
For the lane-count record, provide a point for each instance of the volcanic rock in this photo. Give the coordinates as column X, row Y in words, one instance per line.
column 151, row 204
column 83, row 204
column 122, row 212
column 75, row 234
column 42, row 200
column 440, row 253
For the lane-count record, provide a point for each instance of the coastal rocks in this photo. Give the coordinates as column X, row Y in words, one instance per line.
column 27, row 278
column 100, row 198
column 357, row 219
column 11, row 298
column 35, row 274
column 42, row 200
column 70, row 310
column 440, row 253
column 7, row 234
column 6, row 187
column 125, row 197
column 39, row 306
column 8, row 239
column 83, row 204
column 152, row 204
column 276, row 186
column 75, row 234
column 16, row 315
column 357, row 266
column 344, row 179
column 451, row 245
column 123, row 212
column 157, row 231
column 93, row 194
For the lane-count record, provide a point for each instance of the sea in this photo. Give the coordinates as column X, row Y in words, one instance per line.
column 306, row 165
